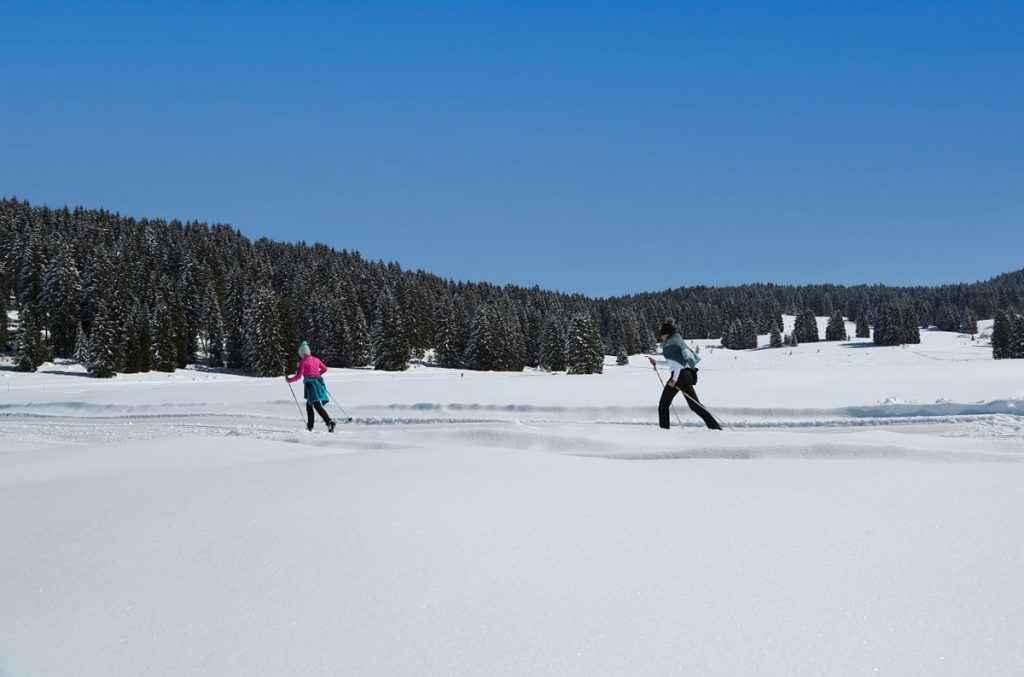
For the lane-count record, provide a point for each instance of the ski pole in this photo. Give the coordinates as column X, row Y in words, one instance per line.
column 710, row 413
column 296, row 402
column 678, row 420
column 343, row 412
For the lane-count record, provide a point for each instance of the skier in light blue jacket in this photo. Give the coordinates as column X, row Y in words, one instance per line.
column 683, row 362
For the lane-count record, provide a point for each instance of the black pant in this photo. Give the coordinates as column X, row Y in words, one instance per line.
column 687, row 379
column 319, row 410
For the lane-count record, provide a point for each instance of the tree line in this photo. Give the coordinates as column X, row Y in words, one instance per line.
column 126, row 294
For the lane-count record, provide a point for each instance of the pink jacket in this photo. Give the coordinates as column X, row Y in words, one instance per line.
column 309, row 367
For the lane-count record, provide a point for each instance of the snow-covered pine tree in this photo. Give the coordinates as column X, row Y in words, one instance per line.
column 446, row 352
column 775, row 335
column 484, row 350
column 29, row 352
column 211, row 328
column 749, row 335
column 391, row 349
column 359, row 342
column 145, row 339
column 1002, row 333
column 163, row 349
column 969, row 324
column 105, row 342
column 234, row 314
column 911, row 329
column 806, row 329
column 622, row 359
column 60, row 302
column 552, row 346
column 584, row 354
column 264, row 342
column 836, row 329
column 863, row 328
column 1016, row 349
column 82, row 349
column 4, row 331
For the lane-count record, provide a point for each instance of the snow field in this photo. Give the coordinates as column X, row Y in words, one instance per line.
column 864, row 516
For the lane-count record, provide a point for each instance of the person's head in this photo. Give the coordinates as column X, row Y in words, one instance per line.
column 668, row 328
column 303, row 349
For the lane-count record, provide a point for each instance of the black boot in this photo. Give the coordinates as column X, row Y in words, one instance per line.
column 330, row 426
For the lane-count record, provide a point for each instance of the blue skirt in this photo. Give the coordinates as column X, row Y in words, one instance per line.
column 315, row 390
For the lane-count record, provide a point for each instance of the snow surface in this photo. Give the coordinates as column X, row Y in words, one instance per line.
column 863, row 515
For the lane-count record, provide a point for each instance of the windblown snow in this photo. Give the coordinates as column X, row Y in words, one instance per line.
column 862, row 513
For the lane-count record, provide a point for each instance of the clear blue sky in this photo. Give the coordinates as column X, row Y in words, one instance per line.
column 597, row 147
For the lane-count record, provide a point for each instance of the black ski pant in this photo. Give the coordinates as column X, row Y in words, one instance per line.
column 319, row 409
column 687, row 379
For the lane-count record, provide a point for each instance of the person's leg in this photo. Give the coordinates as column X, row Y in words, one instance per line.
column 686, row 385
column 663, row 406
column 309, row 416
column 323, row 414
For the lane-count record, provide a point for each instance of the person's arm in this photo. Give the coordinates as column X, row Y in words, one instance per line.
column 298, row 375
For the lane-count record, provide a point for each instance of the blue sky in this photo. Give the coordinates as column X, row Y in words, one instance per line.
column 592, row 147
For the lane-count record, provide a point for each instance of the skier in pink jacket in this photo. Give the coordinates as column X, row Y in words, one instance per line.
column 311, row 371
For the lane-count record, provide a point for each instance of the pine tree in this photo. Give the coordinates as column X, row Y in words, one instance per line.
column 836, row 329
column 863, row 328
column 483, row 353
column 104, row 341
column 60, row 302
column 82, row 348
column 211, row 328
column 164, row 349
column 969, row 325
column 391, row 349
column 552, row 347
column 749, row 335
column 359, row 340
column 29, row 352
column 806, row 328
column 3, row 319
column 264, row 343
column 775, row 335
column 1002, row 335
column 446, row 352
column 584, row 354
column 911, row 329
column 623, row 358
column 1016, row 343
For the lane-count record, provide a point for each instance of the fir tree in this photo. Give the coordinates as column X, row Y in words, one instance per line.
column 82, row 349
column 446, row 352
column 104, row 358
column 775, row 336
column 623, row 358
column 1003, row 328
column 359, row 341
column 264, row 345
column 836, row 329
column 749, row 335
column 552, row 347
column 584, row 354
column 483, row 353
column 863, row 328
column 911, row 328
column 29, row 352
column 1016, row 348
column 61, row 299
column 3, row 319
column 806, row 329
column 212, row 328
column 391, row 349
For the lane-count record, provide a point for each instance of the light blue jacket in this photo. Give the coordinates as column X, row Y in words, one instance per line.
column 675, row 349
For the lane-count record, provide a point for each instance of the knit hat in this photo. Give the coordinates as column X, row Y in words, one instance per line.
column 668, row 328
column 303, row 349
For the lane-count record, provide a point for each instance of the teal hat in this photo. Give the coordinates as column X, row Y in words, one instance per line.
column 303, row 349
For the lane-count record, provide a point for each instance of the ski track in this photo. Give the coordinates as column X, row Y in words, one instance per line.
column 83, row 423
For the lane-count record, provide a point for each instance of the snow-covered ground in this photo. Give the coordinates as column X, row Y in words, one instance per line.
column 864, row 514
